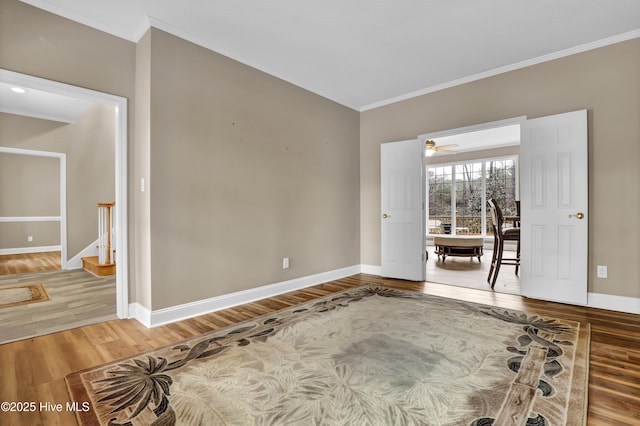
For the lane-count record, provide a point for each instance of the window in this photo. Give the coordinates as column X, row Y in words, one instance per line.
column 458, row 194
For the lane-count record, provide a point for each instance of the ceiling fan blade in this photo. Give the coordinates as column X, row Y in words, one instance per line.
column 446, row 151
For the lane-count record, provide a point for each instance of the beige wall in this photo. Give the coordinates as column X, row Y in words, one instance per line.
column 245, row 169
column 44, row 45
column 142, row 204
column 29, row 186
column 90, row 154
column 14, row 235
column 604, row 81
column 242, row 168
column 41, row 44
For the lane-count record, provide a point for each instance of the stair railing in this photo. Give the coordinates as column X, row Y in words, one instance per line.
column 106, row 232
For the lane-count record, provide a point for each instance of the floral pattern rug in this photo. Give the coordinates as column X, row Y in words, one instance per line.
column 366, row 356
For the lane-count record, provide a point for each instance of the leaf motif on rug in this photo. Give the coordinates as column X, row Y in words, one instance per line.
column 370, row 355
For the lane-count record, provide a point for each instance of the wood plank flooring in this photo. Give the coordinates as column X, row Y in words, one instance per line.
column 468, row 272
column 11, row 264
column 77, row 298
column 34, row 369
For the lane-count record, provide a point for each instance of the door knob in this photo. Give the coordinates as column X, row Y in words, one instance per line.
column 577, row 215
column 384, row 215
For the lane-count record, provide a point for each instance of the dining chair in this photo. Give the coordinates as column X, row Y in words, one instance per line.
column 500, row 235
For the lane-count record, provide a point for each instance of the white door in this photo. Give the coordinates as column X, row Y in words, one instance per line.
column 554, row 190
column 403, row 210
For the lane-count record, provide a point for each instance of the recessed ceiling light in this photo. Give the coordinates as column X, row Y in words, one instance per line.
column 18, row 90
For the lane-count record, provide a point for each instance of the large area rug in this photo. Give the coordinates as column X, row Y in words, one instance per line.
column 22, row 294
column 366, row 356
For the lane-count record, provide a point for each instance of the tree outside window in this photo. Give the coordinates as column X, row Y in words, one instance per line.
column 472, row 183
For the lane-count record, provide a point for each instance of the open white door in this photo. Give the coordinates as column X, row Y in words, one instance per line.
column 403, row 210
column 554, row 192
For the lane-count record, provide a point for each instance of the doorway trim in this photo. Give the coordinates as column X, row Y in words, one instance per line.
column 62, row 216
column 474, row 128
column 120, row 106
column 518, row 120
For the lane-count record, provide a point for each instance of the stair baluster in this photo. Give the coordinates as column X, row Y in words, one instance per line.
column 105, row 234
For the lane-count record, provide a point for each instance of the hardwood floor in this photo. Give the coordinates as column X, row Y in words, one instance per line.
column 468, row 272
column 34, row 369
column 11, row 264
column 77, row 298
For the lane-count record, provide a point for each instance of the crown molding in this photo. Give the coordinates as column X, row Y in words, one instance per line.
column 501, row 70
column 150, row 21
column 143, row 27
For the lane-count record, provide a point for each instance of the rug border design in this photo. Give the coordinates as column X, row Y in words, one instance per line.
column 578, row 397
column 38, row 294
column 577, row 401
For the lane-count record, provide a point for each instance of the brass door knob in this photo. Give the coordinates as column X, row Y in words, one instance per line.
column 577, row 215
column 384, row 215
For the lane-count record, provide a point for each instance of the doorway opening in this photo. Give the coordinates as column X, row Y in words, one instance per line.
column 479, row 163
column 118, row 106
column 554, row 205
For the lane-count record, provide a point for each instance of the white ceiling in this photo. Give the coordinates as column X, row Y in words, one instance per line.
column 495, row 137
column 40, row 104
column 367, row 53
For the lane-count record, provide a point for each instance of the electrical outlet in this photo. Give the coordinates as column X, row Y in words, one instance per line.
column 601, row 271
column 285, row 263
column 30, row 238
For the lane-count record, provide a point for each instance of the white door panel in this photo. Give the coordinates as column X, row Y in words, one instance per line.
column 402, row 215
column 554, row 190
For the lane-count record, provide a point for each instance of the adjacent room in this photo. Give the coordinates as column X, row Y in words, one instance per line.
column 57, row 165
column 323, row 212
column 463, row 172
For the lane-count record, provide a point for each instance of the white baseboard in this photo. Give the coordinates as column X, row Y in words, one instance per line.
column 22, row 250
column 139, row 312
column 371, row 269
column 152, row 319
column 611, row 302
column 608, row 302
column 188, row 310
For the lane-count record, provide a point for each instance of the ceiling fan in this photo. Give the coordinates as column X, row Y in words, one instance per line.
column 431, row 148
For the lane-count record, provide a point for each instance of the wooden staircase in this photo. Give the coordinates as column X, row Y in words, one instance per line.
column 92, row 265
column 104, row 264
